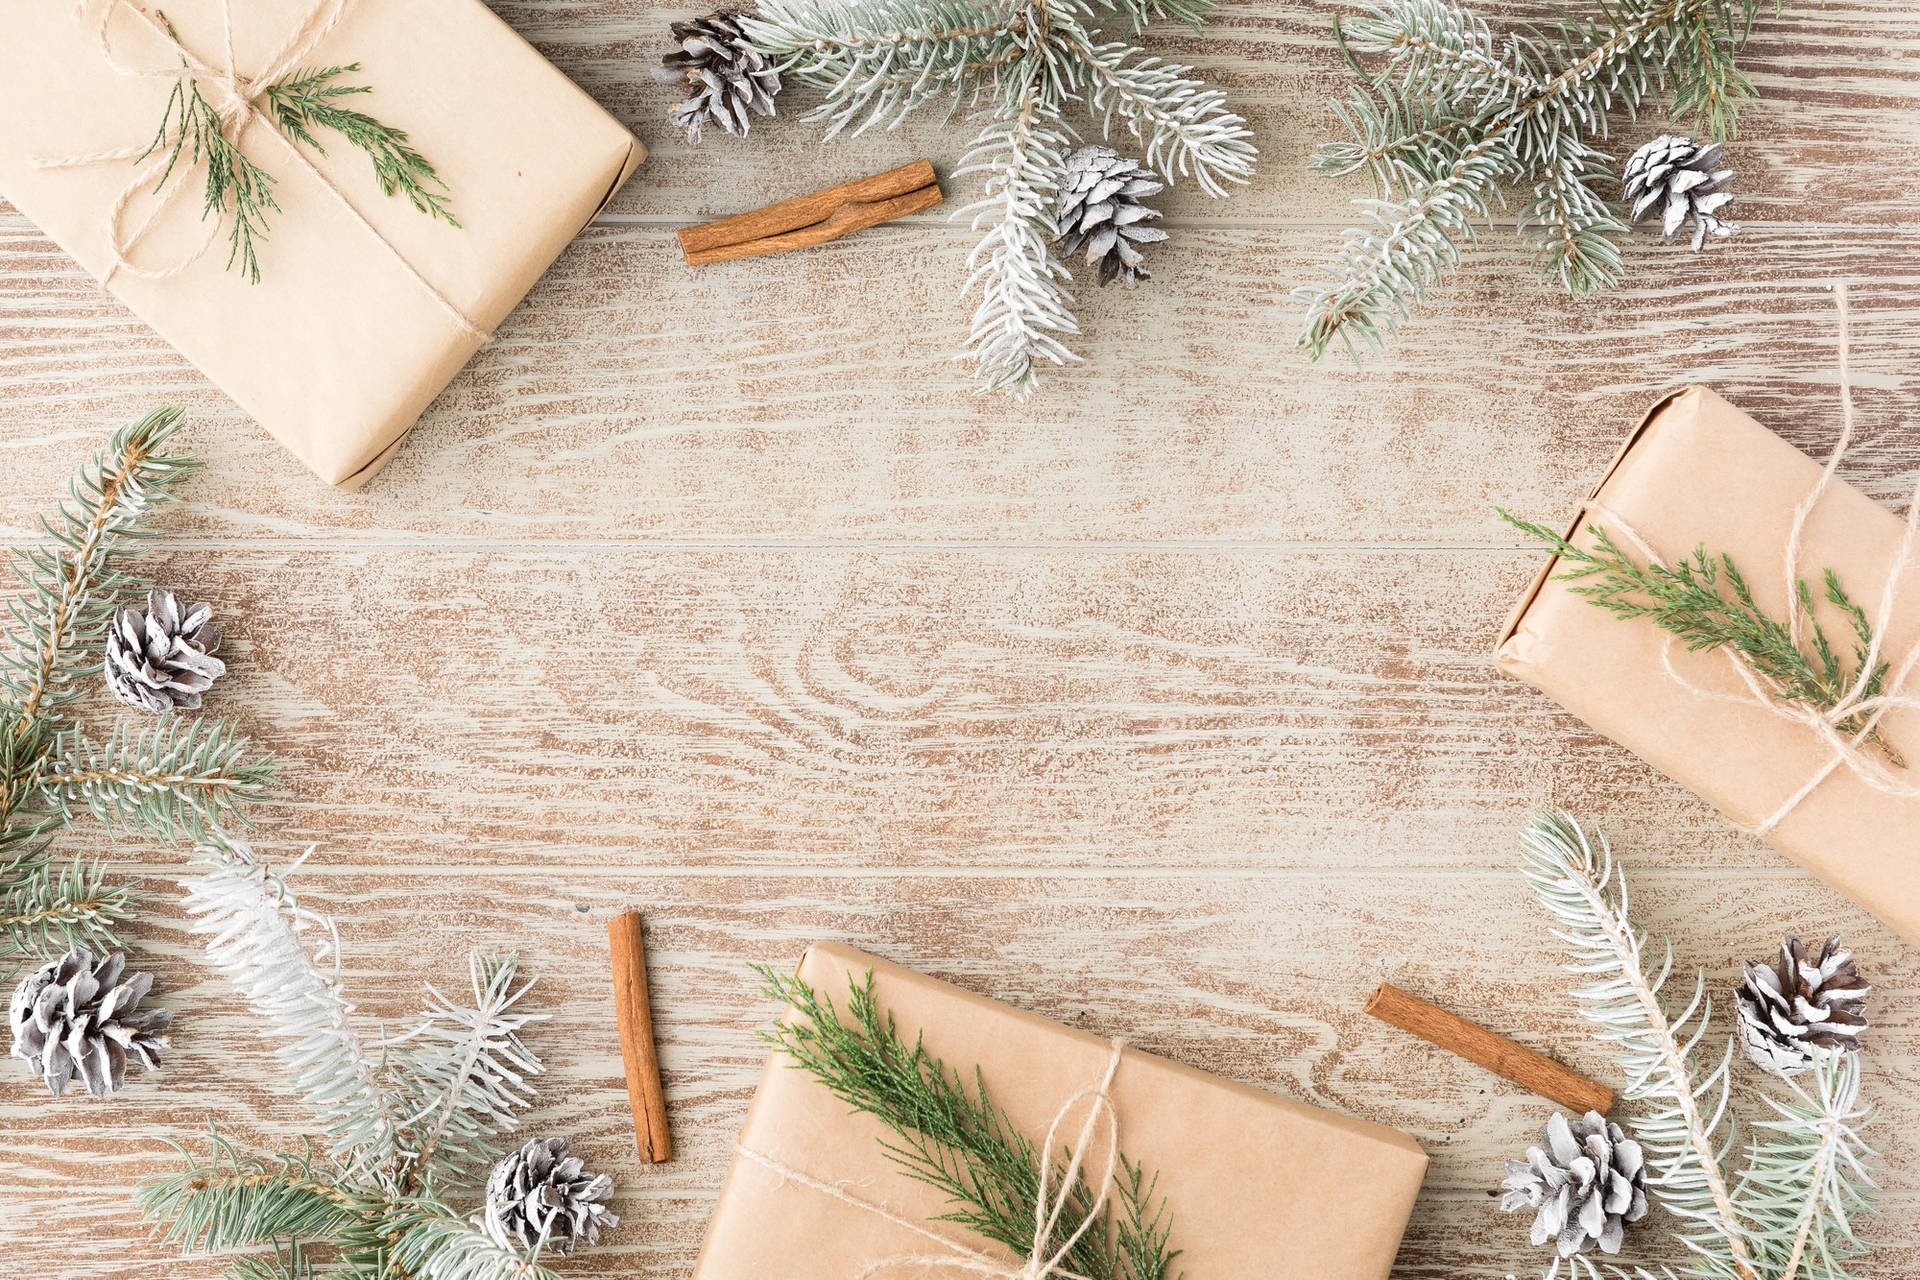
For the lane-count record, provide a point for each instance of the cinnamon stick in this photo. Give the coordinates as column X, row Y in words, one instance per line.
column 814, row 219
column 1496, row 1053
column 634, row 1010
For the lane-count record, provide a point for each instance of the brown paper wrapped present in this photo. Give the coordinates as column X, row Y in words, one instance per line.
column 366, row 307
column 1698, row 471
column 1257, row 1187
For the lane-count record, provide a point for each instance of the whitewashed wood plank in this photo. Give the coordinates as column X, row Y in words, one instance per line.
column 811, row 399
column 966, row 708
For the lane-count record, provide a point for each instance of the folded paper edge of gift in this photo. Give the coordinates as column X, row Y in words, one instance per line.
column 1518, row 614
column 1390, row 1142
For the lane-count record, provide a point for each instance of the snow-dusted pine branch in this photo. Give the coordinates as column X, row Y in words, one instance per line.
column 1789, row 1213
column 285, row 961
column 1019, row 64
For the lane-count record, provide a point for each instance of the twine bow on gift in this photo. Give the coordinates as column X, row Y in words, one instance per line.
column 1050, row 1209
column 1848, row 729
column 236, row 101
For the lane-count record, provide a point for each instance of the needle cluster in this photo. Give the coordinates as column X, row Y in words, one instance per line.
column 407, row 1123
column 949, row 1135
column 173, row 780
column 1449, row 117
column 1706, row 602
column 1788, row 1213
column 239, row 192
column 1019, row 66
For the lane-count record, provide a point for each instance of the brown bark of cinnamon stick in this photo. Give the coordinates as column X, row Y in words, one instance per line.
column 814, row 219
column 634, row 1010
column 1496, row 1053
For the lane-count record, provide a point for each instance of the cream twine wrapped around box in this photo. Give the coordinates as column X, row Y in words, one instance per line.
column 1845, row 750
column 1048, row 1210
column 236, row 100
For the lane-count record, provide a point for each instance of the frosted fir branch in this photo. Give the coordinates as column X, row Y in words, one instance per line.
column 70, row 585
column 877, row 60
column 1024, row 309
column 1185, row 125
column 1811, row 1175
column 1686, row 1127
column 179, row 778
column 1141, row 13
column 44, row 914
column 1451, row 114
column 468, row 1072
column 259, row 937
column 431, row 1242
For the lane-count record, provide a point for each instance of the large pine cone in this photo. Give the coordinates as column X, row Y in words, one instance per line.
column 163, row 659
column 541, row 1197
column 1585, row 1181
column 1792, row 1011
column 1099, row 208
column 73, row 1018
column 726, row 78
column 1686, row 180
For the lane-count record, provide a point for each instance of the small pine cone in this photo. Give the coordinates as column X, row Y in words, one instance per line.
column 726, row 78
column 75, row 1019
column 1585, row 1182
column 163, row 659
column 541, row 1197
column 1684, row 178
column 1792, row 1011
column 1099, row 208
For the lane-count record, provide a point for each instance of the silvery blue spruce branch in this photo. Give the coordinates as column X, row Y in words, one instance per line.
column 1789, row 1211
column 409, row 1176
column 168, row 777
column 1446, row 119
column 1020, row 69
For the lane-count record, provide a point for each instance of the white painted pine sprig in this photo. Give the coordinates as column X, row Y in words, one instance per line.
column 1020, row 67
column 1788, row 1212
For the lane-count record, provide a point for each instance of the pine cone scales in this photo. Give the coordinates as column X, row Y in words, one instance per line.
column 541, row 1197
column 163, row 659
column 75, row 1019
column 1799, row 1007
column 1686, row 180
column 1585, row 1182
column 1099, row 209
column 727, row 79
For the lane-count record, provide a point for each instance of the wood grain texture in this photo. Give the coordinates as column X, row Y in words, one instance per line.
column 1162, row 705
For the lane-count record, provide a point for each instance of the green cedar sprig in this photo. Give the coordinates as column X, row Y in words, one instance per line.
column 309, row 100
column 1706, row 602
column 952, row 1137
column 239, row 192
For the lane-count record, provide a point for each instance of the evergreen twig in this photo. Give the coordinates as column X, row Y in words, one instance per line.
column 1788, row 1214
column 1019, row 65
column 1452, row 115
column 1706, row 602
column 949, row 1134
column 235, row 189
column 310, row 100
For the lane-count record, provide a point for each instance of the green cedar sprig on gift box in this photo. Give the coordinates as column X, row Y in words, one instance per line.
column 172, row 780
column 1451, row 117
column 238, row 190
column 409, row 1123
column 1706, row 602
column 1788, row 1213
column 952, row 1137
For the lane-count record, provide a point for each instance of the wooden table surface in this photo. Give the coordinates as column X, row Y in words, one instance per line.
column 1161, row 705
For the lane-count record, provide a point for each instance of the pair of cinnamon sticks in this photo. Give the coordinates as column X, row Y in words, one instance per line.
column 814, row 219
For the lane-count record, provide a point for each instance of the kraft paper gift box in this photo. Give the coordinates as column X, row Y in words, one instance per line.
column 366, row 308
column 1698, row 471
column 1257, row 1187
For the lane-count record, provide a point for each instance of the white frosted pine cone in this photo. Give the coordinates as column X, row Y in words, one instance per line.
column 1801, row 1006
column 1585, row 1182
column 162, row 659
column 1683, row 179
column 542, row 1197
column 78, row 1019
